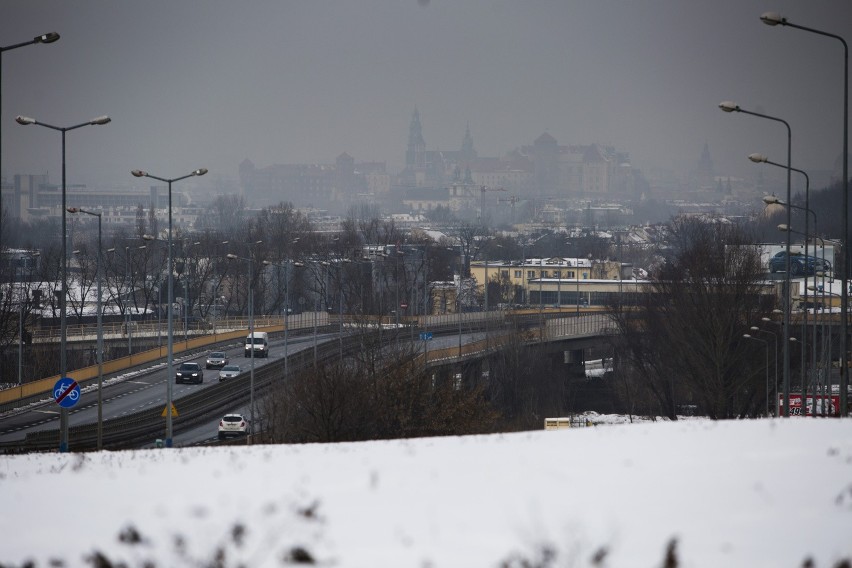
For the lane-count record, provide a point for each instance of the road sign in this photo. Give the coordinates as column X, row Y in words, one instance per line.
column 66, row 392
column 425, row 335
column 174, row 411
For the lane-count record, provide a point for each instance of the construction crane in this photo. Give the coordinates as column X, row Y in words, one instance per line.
column 482, row 190
column 511, row 199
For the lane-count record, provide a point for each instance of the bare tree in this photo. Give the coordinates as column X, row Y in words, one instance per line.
column 686, row 343
column 381, row 395
column 467, row 234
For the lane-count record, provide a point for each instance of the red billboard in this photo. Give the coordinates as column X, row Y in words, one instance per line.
column 831, row 403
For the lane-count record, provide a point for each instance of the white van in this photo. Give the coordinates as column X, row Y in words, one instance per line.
column 260, row 343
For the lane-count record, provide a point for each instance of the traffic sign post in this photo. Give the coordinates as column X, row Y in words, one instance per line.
column 425, row 337
column 66, row 393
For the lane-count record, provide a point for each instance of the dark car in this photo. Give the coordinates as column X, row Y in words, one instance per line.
column 189, row 373
column 799, row 264
column 217, row 360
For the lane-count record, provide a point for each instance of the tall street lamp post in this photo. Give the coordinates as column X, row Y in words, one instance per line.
column 21, row 318
column 775, row 341
column 765, row 344
column 63, row 362
column 131, row 297
column 100, row 358
column 44, row 38
column 786, row 229
column 249, row 284
column 775, row 19
column 170, row 308
column 286, row 267
column 577, row 282
column 821, row 288
column 728, row 106
column 187, row 305
column 770, row 199
column 781, row 332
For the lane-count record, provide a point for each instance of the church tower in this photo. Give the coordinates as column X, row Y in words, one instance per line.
column 703, row 176
column 415, row 156
column 467, row 152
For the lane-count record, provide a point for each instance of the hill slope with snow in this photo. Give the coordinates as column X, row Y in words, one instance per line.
column 746, row 493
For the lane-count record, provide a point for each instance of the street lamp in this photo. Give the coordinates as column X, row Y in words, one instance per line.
column 728, row 106
column 824, row 377
column 187, row 305
column 775, row 19
column 775, row 359
column 822, row 286
column 152, row 238
column 21, row 320
column 131, row 298
column 250, row 286
column 286, row 267
column 100, row 358
column 785, row 228
column 766, row 344
column 169, row 317
column 44, row 38
column 771, row 199
column 63, row 362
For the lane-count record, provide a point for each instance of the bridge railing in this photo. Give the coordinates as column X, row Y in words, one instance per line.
column 148, row 328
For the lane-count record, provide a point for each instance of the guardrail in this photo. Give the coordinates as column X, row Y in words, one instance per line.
column 148, row 328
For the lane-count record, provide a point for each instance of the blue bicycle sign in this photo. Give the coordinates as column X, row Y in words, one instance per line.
column 66, row 392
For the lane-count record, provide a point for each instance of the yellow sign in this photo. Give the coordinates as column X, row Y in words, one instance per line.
column 174, row 411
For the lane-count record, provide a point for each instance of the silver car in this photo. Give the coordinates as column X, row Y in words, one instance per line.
column 229, row 372
column 216, row 360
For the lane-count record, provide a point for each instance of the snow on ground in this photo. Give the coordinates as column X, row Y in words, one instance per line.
column 735, row 493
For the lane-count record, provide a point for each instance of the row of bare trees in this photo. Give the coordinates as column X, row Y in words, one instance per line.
column 684, row 346
column 293, row 265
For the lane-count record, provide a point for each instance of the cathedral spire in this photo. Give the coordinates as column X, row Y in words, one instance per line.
column 415, row 156
column 467, row 151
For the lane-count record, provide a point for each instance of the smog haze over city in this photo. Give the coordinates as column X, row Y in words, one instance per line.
column 208, row 84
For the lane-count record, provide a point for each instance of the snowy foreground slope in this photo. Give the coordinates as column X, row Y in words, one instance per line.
column 749, row 493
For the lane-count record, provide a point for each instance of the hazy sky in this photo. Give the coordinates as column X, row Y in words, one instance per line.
column 191, row 83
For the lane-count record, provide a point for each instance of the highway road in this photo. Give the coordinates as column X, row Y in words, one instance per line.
column 208, row 432
column 141, row 388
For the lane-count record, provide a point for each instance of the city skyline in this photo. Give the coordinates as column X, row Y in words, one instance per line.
column 210, row 84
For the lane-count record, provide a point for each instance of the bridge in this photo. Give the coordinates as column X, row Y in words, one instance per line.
column 477, row 335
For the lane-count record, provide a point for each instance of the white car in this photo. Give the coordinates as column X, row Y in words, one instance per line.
column 229, row 372
column 233, row 425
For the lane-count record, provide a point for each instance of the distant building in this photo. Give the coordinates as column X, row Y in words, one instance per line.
column 580, row 170
column 313, row 185
column 32, row 198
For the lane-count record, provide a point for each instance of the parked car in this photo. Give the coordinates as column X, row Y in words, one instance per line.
column 799, row 264
column 189, row 373
column 229, row 372
column 233, row 425
column 217, row 360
